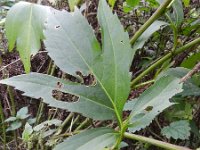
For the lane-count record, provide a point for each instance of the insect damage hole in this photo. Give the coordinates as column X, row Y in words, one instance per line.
column 66, row 97
column 148, row 108
column 57, row 26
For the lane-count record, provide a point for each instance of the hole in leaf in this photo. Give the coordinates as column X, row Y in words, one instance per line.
column 122, row 41
column 57, row 26
column 66, row 97
column 87, row 80
column 149, row 108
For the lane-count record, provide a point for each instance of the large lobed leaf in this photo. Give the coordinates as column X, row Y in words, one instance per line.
column 152, row 102
column 79, row 50
column 97, row 139
column 24, row 25
column 71, row 43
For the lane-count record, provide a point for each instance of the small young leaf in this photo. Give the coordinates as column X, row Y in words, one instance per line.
column 153, row 101
column 155, row 26
column 177, row 130
column 31, row 120
column 98, row 139
column 10, row 119
column 55, row 122
column 27, row 132
column 24, row 25
column 22, row 113
column 14, row 125
column 178, row 14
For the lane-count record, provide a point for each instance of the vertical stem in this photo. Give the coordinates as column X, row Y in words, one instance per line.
column 82, row 124
column 64, row 123
column 13, row 111
column 12, row 100
column 3, row 126
column 51, row 69
column 155, row 16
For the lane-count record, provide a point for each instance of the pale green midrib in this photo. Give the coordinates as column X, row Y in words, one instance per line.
column 53, row 87
column 114, row 56
column 109, row 97
column 115, row 107
column 26, row 49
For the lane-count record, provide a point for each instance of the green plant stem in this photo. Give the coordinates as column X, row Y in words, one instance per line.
column 12, row 100
column 13, row 111
column 163, row 59
column 87, row 120
column 144, row 83
column 64, row 123
column 39, row 113
column 3, row 126
column 154, row 17
column 158, row 143
column 51, row 69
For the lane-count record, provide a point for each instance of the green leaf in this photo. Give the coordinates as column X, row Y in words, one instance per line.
column 92, row 101
column 186, row 3
column 189, row 87
column 73, row 3
column 23, row 113
column 14, row 125
column 10, row 119
column 191, row 61
column 27, row 132
column 177, row 130
column 109, row 66
column 112, row 3
column 24, row 25
column 117, row 54
column 55, row 122
column 31, row 120
column 127, row 8
column 155, row 26
column 178, row 14
column 48, row 133
column 98, row 138
column 132, row 3
column 152, row 102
